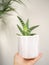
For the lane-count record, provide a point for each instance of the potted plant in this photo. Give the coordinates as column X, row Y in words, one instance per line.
column 27, row 41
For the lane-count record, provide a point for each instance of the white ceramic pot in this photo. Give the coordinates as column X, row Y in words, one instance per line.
column 28, row 46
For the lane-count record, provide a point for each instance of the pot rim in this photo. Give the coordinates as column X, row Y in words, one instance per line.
column 28, row 36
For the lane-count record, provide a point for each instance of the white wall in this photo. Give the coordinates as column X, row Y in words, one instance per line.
column 38, row 13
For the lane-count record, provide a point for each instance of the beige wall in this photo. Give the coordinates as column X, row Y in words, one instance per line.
column 38, row 13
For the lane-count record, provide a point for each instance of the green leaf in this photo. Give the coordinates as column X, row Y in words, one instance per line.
column 1, row 12
column 3, row 1
column 27, row 23
column 20, row 29
column 27, row 33
column 32, row 34
column 19, row 1
column 25, row 28
column 1, row 4
column 21, row 21
column 7, row 4
column 10, row 9
column 18, row 34
column 33, row 27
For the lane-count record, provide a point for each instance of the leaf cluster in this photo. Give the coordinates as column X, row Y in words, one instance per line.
column 26, row 30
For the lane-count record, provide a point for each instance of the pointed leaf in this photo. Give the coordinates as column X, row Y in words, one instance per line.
column 10, row 9
column 27, row 33
column 3, row 1
column 7, row 4
column 33, row 27
column 18, row 34
column 1, row 4
column 21, row 21
column 1, row 12
column 27, row 23
column 25, row 28
column 33, row 34
column 19, row 1
column 20, row 29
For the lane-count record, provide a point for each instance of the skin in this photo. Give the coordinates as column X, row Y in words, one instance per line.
column 18, row 60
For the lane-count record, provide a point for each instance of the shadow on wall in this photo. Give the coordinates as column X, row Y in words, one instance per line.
column 8, row 42
column 3, row 25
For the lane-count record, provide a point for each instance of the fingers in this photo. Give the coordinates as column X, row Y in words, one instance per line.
column 37, row 58
column 16, row 55
column 16, row 58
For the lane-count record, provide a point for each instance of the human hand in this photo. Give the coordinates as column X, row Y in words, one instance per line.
column 18, row 60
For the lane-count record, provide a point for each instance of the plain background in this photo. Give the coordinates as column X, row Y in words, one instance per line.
column 38, row 13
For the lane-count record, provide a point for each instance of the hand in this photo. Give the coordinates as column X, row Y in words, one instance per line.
column 18, row 60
